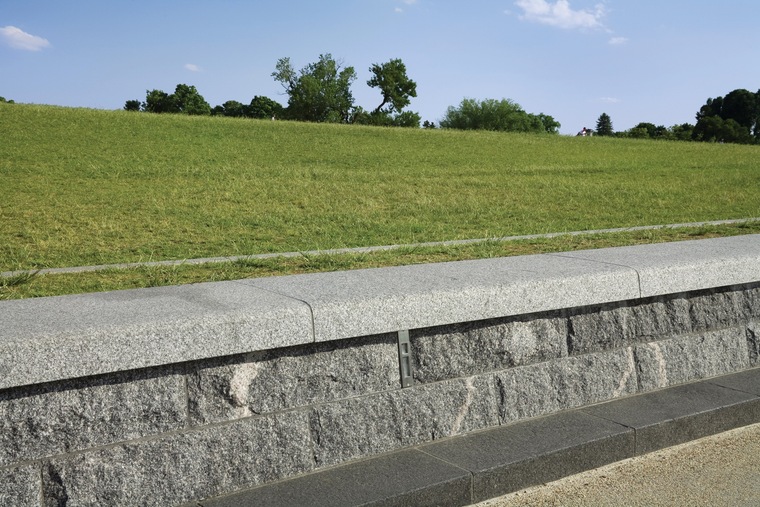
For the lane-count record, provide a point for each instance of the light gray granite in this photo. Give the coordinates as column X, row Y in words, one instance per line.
column 180, row 467
column 669, row 268
column 43, row 423
column 374, row 301
column 692, row 357
column 360, row 427
column 571, row 382
column 277, row 380
column 20, row 487
column 468, row 349
column 55, row 338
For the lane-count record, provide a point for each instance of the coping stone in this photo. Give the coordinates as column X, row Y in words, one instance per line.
column 682, row 413
column 381, row 300
column 670, row 268
column 407, row 477
column 54, row 338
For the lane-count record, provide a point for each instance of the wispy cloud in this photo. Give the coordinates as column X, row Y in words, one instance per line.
column 617, row 41
column 560, row 14
column 192, row 67
column 609, row 100
column 19, row 39
column 405, row 2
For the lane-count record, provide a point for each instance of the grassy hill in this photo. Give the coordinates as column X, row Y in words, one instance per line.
column 84, row 187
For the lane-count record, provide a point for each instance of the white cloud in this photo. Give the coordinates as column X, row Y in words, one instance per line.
column 609, row 100
column 617, row 41
column 19, row 39
column 192, row 67
column 560, row 14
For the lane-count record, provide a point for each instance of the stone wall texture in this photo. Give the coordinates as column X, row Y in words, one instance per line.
column 170, row 435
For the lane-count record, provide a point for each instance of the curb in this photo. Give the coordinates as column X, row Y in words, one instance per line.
column 468, row 469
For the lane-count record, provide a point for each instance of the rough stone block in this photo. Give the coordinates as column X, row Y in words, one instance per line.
column 753, row 342
column 181, row 467
column 544, row 388
column 36, row 422
column 724, row 309
column 294, row 377
column 370, row 425
column 623, row 326
column 20, row 487
column 470, row 349
column 678, row 360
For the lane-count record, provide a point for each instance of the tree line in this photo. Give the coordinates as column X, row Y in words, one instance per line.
column 734, row 118
column 321, row 92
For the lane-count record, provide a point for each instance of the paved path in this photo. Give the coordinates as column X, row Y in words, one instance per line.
column 722, row 470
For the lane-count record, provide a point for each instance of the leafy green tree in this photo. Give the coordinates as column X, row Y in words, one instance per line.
column 551, row 125
column 319, row 92
column 264, row 107
column 187, row 100
column 394, row 85
column 158, row 101
column 6, row 101
column 682, row 132
column 132, row 105
column 233, row 108
column 604, row 125
column 740, row 106
column 490, row 114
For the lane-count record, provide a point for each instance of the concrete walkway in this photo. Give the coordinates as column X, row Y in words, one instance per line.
column 721, row 470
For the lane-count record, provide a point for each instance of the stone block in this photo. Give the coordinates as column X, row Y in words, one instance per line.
column 381, row 300
column 678, row 360
column 20, row 487
column 679, row 414
column 36, row 423
column 469, row 349
column 404, row 478
column 294, row 377
column 753, row 342
column 182, row 467
column 623, row 326
column 722, row 309
column 543, row 388
column 360, row 427
column 682, row 266
column 56, row 338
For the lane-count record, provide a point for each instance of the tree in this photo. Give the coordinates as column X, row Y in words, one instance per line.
column 395, row 86
column 232, row 108
column 490, row 114
column 3, row 99
column 264, row 107
column 132, row 105
column 320, row 92
column 604, row 125
column 551, row 125
column 187, row 100
column 741, row 107
column 158, row 101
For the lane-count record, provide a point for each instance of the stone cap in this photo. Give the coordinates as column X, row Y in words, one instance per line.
column 55, row 338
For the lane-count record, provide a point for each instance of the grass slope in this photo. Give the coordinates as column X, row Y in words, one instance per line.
column 82, row 187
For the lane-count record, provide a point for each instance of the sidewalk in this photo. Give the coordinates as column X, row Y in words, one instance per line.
column 716, row 471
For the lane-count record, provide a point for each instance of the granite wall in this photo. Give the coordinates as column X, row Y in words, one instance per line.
column 171, row 434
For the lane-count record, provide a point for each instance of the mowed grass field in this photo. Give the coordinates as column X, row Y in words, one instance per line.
column 86, row 187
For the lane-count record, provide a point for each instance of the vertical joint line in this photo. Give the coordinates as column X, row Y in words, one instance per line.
column 405, row 359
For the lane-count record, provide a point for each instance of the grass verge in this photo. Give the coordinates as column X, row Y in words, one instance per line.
column 117, row 279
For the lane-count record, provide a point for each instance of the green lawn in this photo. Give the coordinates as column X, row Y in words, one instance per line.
column 83, row 187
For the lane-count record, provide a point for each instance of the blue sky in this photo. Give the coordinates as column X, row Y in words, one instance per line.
column 637, row 60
